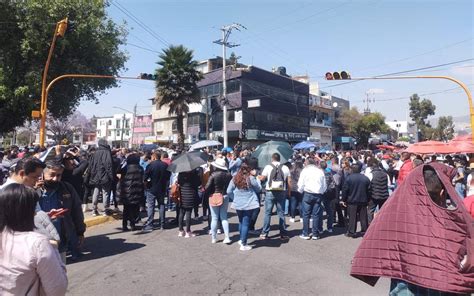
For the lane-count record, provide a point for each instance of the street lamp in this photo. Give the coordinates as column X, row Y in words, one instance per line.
column 59, row 31
column 123, row 125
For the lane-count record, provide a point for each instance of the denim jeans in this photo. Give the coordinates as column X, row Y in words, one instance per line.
column 150, row 209
column 105, row 196
column 460, row 189
column 295, row 202
column 274, row 198
column 328, row 208
column 312, row 208
column 287, row 206
column 244, row 222
column 220, row 212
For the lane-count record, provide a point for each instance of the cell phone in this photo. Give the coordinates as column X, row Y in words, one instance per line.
column 57, row 212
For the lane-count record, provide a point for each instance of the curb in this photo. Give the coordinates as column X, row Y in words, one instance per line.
column 93, row 221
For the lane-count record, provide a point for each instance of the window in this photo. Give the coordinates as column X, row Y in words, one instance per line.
column 110, row 122
column 109, row 133
column 174, row 126
column 127, row 133
column 117, row 123
column 118, row 133
column 127, row 123
column 231, row 116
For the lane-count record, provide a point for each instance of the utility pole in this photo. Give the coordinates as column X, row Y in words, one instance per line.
column 207, row 113
column 132, row 126
column 368, row 101
column 226, row 30
column 123, row 129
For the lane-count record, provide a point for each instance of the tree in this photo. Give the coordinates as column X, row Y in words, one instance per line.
column 65, row 128
column 176, row 85
column 90, row 46
column 360, row 126
column 445, row 129
column 419, row 112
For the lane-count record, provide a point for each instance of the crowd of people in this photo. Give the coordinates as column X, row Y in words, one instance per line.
column 42, row 202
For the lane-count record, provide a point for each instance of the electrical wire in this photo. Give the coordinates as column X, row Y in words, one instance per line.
column 402, row 72
column 139, row 22
column 144, row 48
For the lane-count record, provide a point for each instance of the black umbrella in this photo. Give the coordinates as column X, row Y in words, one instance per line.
column 188, row 161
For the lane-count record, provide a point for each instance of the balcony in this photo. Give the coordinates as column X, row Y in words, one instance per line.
column 317, row 122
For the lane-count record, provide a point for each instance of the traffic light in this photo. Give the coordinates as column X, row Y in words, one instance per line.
column 147, row 76
column 62, row 26
column 338, row 76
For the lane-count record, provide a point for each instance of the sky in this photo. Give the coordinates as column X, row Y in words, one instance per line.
column 364, row 37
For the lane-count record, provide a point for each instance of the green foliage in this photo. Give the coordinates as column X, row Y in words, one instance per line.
column 419, row 112
column 176, row 85
column 90, row 46
column 360, row 126
column 445, row 129
column 403, row 139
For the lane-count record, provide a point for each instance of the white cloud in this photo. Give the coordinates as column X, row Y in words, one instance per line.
column 375, row 91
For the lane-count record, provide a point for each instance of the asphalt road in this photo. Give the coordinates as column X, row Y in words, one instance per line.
column 161, row 263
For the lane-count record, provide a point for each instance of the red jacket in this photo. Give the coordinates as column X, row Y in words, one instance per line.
column 405, row 170
column 415, row 240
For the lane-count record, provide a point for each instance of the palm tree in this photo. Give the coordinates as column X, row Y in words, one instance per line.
column 176, row 84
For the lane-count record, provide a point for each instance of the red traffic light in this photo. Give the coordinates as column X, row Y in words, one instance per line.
column 329, row 76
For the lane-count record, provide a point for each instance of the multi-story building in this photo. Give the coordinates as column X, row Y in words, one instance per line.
column 116, row 129
column 142, row 129
column 404, row 129
column 262, row 106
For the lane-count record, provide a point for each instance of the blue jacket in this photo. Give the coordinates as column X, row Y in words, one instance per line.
column 245, row 199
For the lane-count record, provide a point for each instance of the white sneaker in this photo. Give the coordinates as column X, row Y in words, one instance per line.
column 330, row 231
column 85, row 208
column 292, row 220
column 227, row 241
column 245, row 248
column 219, row 231
column 210, row 232
column 214, row 241
column 301, row 220
column 240, row 243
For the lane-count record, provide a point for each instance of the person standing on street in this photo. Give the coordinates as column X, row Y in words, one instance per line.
column 244, row 188
column 312, row 184
column 101, row 170
column 157, row 178
column 296, row 197
column 132, row 191
column 277, row 176
column 405, row 168
column 216, row 190
column 189, row 183
column 355, row 196
column 379, row 182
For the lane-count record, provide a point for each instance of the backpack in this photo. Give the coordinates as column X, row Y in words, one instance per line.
column 277, row 179
column 330, row 182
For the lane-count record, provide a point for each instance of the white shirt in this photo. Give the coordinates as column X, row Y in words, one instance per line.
column 312, row 180
column 268, row 170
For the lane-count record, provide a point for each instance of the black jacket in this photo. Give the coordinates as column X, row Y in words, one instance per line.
column 132, row 189
column 356, row 189
column 189, row 182
column 100, row 166
column 218, row 182
column 75, row 177
column 159, row 178
column 379, row 184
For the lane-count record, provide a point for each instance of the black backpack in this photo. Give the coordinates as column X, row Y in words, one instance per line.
column 277, row 179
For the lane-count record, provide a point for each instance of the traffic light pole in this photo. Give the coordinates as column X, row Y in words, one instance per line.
column 458, row 82
column 44, row 98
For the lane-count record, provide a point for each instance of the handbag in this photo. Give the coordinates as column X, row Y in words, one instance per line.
column 175, row 193
column 216, row 200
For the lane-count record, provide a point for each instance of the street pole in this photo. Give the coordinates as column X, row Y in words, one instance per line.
column 59, row 30
column 207, row 114
column 132, row 126
column 123, row 130
column 224, row 90
column 44, row 99
column 226, row 30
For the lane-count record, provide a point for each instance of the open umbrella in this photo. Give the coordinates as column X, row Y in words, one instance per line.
column 264, row 152
column 188, row 161
column 462, row 146
column 304, row 145
column 204, row 144
column 431, row 147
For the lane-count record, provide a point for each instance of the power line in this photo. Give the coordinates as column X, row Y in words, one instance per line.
column 139, row 22
column 144, row 48
column 404, row 72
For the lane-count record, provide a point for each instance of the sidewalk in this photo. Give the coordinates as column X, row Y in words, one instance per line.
column 93, row 221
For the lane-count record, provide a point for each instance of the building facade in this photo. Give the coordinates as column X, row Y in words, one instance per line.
column 262, row 106
column 142, row 129
column 116, row 129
